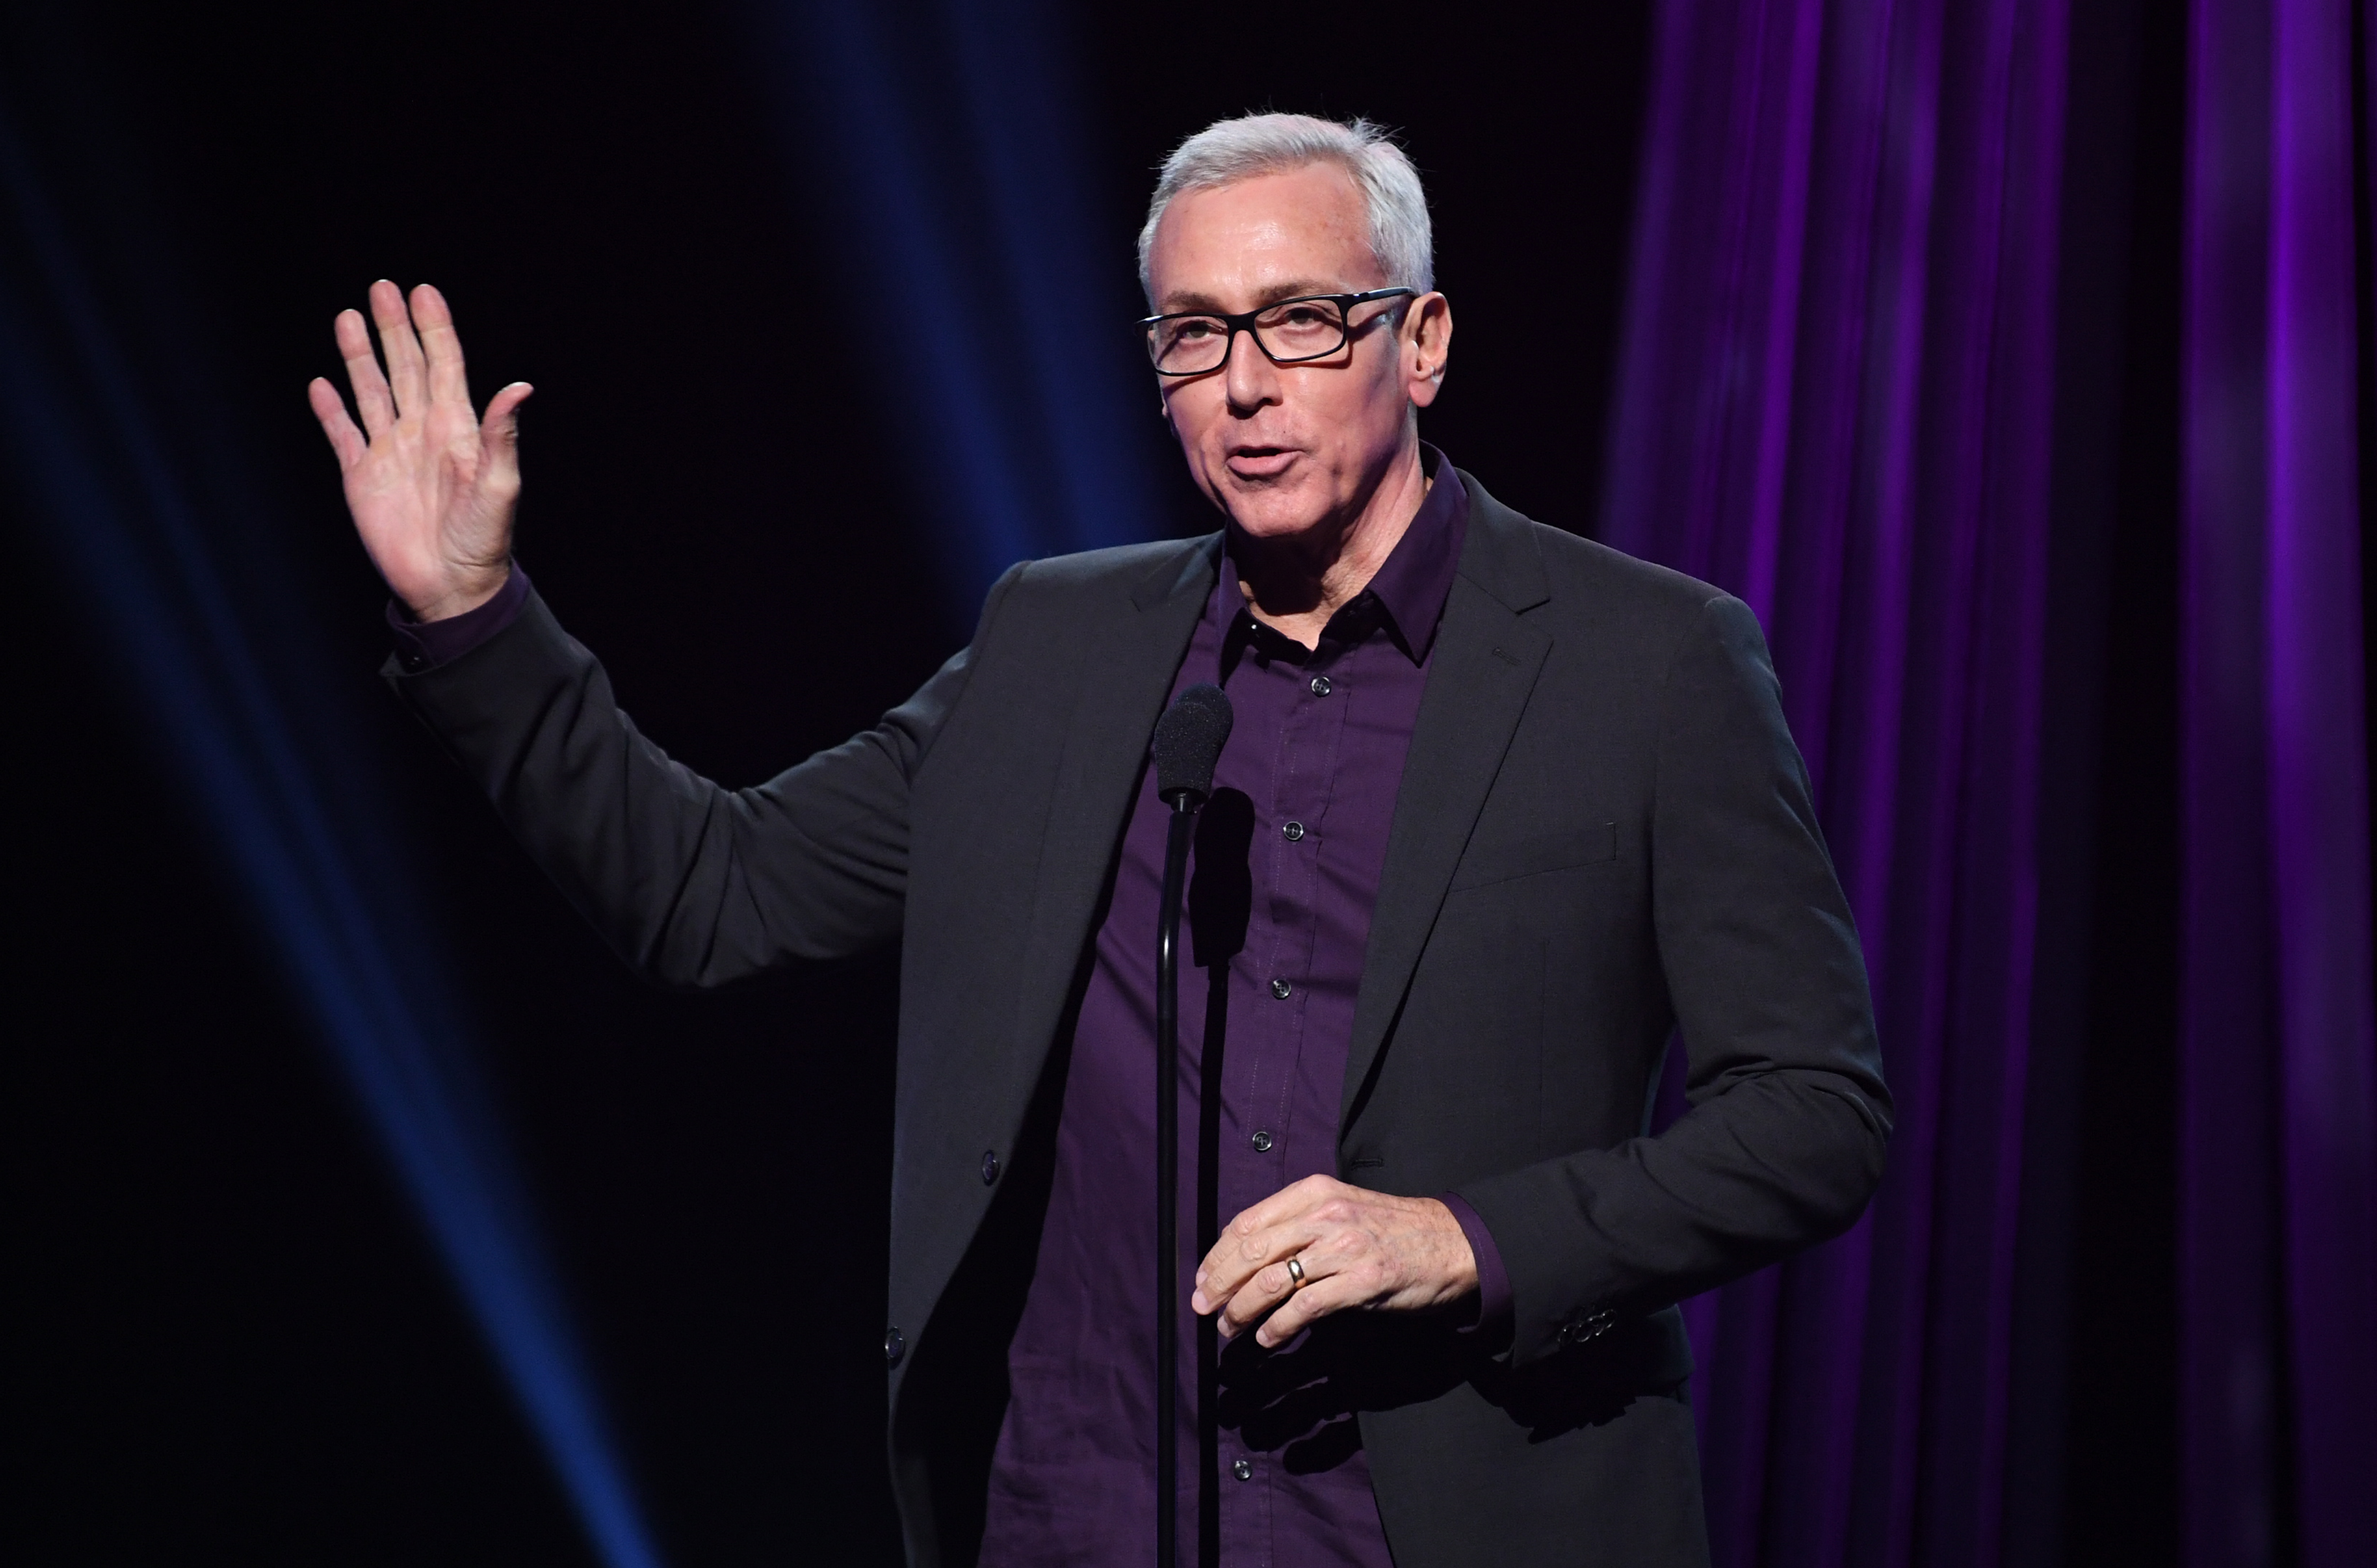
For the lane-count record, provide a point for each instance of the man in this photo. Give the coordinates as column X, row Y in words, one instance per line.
column 1503, row 808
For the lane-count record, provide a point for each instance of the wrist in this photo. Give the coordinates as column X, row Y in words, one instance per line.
column 461, row 598
column 1462, row 1257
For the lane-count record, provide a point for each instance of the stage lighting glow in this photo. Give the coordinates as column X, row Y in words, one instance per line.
column 950, row 159
column 291, row 813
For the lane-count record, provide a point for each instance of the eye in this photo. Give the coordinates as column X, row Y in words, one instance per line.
column 1192, row 329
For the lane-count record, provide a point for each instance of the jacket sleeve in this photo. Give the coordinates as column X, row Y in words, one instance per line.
column 1782, row 1145
column 692, row 883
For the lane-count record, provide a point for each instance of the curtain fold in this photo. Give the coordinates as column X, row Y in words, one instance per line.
column 1837, row 400
column 2278, row 1056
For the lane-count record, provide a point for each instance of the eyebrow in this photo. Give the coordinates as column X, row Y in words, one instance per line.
column 1177, row 304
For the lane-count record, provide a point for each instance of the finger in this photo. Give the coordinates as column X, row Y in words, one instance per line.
column 345, row 439
column 1274, row 1288
column 1238, row 1261
column 1345, row 1268
column 499, row 434
column 400, row 348
column 1244, row 1247
column 1297, row 1198
column 502, row 420
column 440, row 345
column 371, row 399
column 1264, row 1289
column 1332, row 1293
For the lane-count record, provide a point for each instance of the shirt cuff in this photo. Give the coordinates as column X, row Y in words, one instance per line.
column 426, row 644
column 1493, row 1321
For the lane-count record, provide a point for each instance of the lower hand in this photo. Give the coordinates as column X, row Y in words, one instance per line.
column 1354, row 1248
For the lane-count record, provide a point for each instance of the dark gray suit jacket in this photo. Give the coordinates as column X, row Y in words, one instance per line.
column 1603, row 834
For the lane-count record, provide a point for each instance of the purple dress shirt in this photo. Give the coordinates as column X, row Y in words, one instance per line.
column 1282, row 878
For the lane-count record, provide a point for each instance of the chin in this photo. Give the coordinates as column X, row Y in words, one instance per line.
column 1263, row 513
column 1271, row 525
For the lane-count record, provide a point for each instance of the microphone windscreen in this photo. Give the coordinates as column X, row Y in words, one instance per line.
column 1188, row 740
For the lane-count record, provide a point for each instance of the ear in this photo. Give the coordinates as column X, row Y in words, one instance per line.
column 1427, row 343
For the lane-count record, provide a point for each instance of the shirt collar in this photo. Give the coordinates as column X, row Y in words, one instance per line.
column 1409, row 591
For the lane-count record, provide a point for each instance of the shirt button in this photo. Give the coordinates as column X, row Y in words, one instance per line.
column 990, row 1168
column 1320, row 686
column 1241, row 1469
column 1261, row 1140
column 1282, row 989
column 1294, row 832
column 894, row 1346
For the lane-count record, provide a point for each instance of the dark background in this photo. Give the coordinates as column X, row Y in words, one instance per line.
column 240, row 1344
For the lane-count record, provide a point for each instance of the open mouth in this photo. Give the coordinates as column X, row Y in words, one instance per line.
column 1261, row 462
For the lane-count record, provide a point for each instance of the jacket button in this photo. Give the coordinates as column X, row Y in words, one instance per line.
column 990, row 1168
column 1292, row 832
column 1282, row 989
column 1241, row 1469
column 1261, row 1140
column 894, row 1346
column 1320, row 686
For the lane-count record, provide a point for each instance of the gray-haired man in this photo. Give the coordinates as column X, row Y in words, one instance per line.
column 1503, row 808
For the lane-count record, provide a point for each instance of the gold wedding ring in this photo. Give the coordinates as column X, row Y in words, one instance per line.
column 1296, row 1273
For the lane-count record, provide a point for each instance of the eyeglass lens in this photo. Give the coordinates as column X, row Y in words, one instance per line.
column 1292, row 330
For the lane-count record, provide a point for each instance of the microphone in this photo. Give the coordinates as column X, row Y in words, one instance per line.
column 1188, row 740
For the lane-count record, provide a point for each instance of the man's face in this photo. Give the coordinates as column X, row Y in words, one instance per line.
column 1293, row 449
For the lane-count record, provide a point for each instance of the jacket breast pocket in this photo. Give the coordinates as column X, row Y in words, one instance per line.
column 1481, row 864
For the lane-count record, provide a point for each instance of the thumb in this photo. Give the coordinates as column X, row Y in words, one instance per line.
column 500, row 430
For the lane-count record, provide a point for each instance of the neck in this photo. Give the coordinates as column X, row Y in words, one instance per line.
column 1293, row 584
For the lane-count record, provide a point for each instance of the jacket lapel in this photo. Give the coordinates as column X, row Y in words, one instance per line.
column 1485, row 661
column 1115, row 704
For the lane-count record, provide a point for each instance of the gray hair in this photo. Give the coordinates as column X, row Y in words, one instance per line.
column 1229, row 150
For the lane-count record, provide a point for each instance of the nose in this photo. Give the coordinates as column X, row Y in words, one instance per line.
column 1248, row 379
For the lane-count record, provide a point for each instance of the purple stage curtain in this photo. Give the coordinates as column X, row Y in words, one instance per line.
column 1835, row 400
column 2278, row 1056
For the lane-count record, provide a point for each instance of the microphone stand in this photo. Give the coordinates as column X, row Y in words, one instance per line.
column 1188, row 740
column 1178, row 831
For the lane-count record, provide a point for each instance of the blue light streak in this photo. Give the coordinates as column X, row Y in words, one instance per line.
column 291, row 813
column 948, row 145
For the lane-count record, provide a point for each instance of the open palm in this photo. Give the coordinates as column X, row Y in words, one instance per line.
column 432, row 484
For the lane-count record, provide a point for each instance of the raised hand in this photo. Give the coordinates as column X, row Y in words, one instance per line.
column 431, row 484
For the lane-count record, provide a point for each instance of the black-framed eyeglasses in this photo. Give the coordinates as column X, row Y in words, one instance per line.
column 1311, row 326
